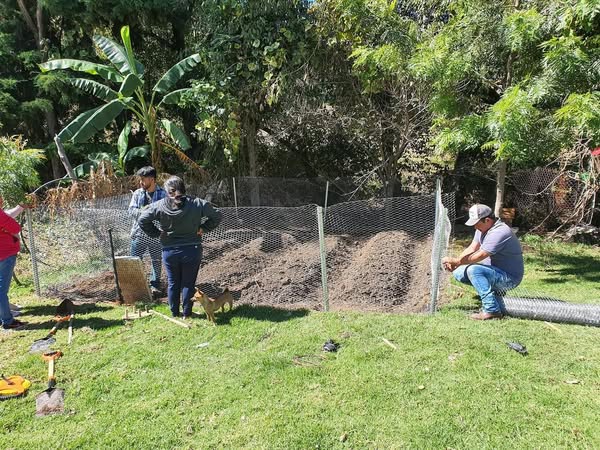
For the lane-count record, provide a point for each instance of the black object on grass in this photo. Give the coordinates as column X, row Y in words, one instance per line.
column 517, row 347
column 330, row 346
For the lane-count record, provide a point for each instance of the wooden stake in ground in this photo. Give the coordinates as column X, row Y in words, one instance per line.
column 178, row 322
column 135, row 314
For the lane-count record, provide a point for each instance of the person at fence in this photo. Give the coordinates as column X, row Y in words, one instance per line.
column 9, row 248
column 148, row 193
column 492, row 263
column 183, row 220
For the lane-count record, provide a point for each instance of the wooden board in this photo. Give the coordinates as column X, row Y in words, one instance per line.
column 132, row 280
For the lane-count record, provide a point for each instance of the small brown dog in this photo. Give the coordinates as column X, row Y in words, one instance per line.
column 213, row 304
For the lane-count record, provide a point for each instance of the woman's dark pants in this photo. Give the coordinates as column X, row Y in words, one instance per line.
column 182, row 265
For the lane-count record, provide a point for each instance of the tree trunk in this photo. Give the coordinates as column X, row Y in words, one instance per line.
column 58, row 170
column 38, row 29
column 250, row 128
column 502, row 164
column 500, row 187
column 390, row 170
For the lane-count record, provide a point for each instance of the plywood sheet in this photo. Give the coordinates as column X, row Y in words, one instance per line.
column 132, row 280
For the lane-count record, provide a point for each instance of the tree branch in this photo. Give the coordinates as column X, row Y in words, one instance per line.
column 29, row 21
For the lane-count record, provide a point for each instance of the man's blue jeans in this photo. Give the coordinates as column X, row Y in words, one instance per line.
column 182, row 265
column 6, row 272
column 139, row 246
column 490, row 283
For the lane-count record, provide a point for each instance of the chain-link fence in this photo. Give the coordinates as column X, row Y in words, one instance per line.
column 378, row 252
column 444, row 216
column 539, row 199
column 547, row 198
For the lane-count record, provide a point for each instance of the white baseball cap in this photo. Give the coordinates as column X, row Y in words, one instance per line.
column 478, row 212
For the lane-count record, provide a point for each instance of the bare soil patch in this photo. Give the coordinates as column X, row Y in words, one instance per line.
column 387, row 271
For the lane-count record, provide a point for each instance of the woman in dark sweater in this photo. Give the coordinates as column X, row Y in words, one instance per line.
column 182, row 220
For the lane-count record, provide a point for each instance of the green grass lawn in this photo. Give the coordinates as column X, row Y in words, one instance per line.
column 263, row 381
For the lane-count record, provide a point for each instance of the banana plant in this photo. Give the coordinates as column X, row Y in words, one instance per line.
column 118, row 161
column 122, row 88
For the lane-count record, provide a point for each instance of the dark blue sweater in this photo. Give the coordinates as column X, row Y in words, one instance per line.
column 179, row 227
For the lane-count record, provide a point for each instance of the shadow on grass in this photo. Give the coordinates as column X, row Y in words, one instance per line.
column 471, row 307
column 50, row 310
column 265, row 313
column 95, row 323
column 562, row 266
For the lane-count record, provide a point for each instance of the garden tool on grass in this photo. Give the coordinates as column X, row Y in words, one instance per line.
column 67, row 309
column 52, row 400
column 41, row 345
column 13, row 387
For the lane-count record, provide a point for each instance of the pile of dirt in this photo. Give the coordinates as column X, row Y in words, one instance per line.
column 258, row 272
column 92, row 288
column 387, row 271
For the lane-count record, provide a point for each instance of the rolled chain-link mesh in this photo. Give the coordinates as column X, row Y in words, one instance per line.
column 378, row 252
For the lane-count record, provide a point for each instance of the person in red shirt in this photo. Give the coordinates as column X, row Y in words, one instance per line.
column 9, row 248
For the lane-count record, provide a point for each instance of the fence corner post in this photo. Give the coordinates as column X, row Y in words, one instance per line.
column 34, row 265
column 323, row 252
column 436, row 254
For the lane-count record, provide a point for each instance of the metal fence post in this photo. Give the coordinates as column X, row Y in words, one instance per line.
column 235, row 198
column 326, row 199
column 436, row 253
column 34, row 266
column 323, row 251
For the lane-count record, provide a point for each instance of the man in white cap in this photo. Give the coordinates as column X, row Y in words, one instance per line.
column 492, row 263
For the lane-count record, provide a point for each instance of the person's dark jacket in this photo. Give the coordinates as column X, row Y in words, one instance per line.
column 179, row 227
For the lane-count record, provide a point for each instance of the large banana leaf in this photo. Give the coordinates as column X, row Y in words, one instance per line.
column 173, row 98
column 176, row 134
column 118, row 56
column 126, row 38
column 83, row 170
column 98, row 120
column 123, row 142
column 70, row 130
column 93, row 87
column 174, row 74
column 106, row 72
column 130, row 84
column 142, row 151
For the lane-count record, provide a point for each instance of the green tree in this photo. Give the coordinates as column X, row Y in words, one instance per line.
column 500, row 71
column 128, row 73
column 251, row 52
column 19, row 174
column 379, row 38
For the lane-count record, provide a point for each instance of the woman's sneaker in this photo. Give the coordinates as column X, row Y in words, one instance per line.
column 16, row 313
column 15, row 325
column 14, row 307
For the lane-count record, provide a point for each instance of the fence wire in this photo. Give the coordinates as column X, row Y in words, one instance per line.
column 546, row 198
column 378, row 252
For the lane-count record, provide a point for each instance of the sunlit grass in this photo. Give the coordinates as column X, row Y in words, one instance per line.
column 264, row 382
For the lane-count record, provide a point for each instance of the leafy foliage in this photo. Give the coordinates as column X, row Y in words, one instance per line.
column 130, row 96
column 19, row 174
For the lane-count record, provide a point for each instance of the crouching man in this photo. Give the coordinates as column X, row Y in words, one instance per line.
column 492, row 263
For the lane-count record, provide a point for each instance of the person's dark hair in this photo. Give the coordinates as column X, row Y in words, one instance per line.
column 147, row 171
column 174, row 186
column 491, row 216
